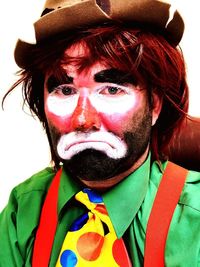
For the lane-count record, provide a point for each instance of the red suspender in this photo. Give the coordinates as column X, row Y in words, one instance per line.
column 157, row 228
column 47, row 226
column 164, row 205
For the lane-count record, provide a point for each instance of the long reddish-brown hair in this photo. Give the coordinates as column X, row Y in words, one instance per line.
column 148, row 56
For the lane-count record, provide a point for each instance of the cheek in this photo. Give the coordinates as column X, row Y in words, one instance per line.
column 59, row 122
column 117, row 113
column 117, row 123
column 59, row 113
column 62, row 124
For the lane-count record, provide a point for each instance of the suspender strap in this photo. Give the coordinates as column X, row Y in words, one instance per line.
column 164, row 205
column 47, row 226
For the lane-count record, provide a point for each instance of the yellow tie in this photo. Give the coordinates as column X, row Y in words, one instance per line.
column 91, row 240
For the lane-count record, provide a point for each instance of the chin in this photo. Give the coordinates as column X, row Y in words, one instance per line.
column 96, row 167
column 91, row 165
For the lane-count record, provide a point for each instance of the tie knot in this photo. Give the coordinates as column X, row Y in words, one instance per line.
column 94, row 203
column 92, row 200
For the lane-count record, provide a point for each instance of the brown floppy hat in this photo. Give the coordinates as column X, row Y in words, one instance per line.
column 60, row 16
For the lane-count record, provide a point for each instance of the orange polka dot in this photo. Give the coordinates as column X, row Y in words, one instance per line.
column 89, row 245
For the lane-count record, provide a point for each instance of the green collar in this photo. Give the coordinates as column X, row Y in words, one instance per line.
column 122, row 201
column 125, row 199
column 68, row 188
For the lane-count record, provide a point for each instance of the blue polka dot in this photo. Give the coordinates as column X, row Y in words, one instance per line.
column 93, row 196
column 68, row 259
column 78, row 223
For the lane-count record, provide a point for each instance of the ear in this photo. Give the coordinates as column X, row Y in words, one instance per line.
column 156, row 107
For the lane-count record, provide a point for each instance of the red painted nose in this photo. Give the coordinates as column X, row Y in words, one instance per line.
column 85, row 116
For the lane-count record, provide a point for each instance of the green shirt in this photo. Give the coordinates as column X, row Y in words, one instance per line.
column 129, row 204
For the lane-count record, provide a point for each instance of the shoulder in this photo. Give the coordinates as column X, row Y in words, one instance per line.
column 39, row 181
column 19, row 219
column 191, row 191
column 184, row 228
column 26, row 199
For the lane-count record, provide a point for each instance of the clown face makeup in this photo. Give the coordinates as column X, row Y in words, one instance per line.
column 99, row 120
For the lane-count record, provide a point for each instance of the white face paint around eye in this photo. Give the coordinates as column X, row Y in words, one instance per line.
column 62, row 106
column 101, row 100
column 114, row 103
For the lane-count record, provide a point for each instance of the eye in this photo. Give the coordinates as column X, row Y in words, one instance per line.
column 113, row 90
column 65, row 90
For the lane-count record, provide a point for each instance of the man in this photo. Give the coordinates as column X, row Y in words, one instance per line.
column 107, row 81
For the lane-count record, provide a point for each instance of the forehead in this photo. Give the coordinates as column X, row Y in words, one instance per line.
column 77, row 50
column 77, row 60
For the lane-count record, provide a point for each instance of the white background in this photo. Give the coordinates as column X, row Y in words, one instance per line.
column 23, row 145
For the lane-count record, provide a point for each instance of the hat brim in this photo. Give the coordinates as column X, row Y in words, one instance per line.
column 153, row 13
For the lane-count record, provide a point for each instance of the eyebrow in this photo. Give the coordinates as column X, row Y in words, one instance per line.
column 53, row 81
column 114, row 76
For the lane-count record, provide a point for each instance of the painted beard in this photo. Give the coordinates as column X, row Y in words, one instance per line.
column 95, row 165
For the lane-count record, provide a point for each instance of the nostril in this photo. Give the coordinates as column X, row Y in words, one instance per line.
column 92, row 124
column 104, row 5
column 84, row 128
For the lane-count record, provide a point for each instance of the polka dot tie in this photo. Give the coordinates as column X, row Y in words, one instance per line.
column 91, row 240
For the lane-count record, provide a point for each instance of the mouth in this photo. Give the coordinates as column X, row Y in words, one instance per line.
column 73, row 143
column 78, row 147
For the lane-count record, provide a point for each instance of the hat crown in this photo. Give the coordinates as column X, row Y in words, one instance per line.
column 63, row 16
column 51, row 5
column 61, row 3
